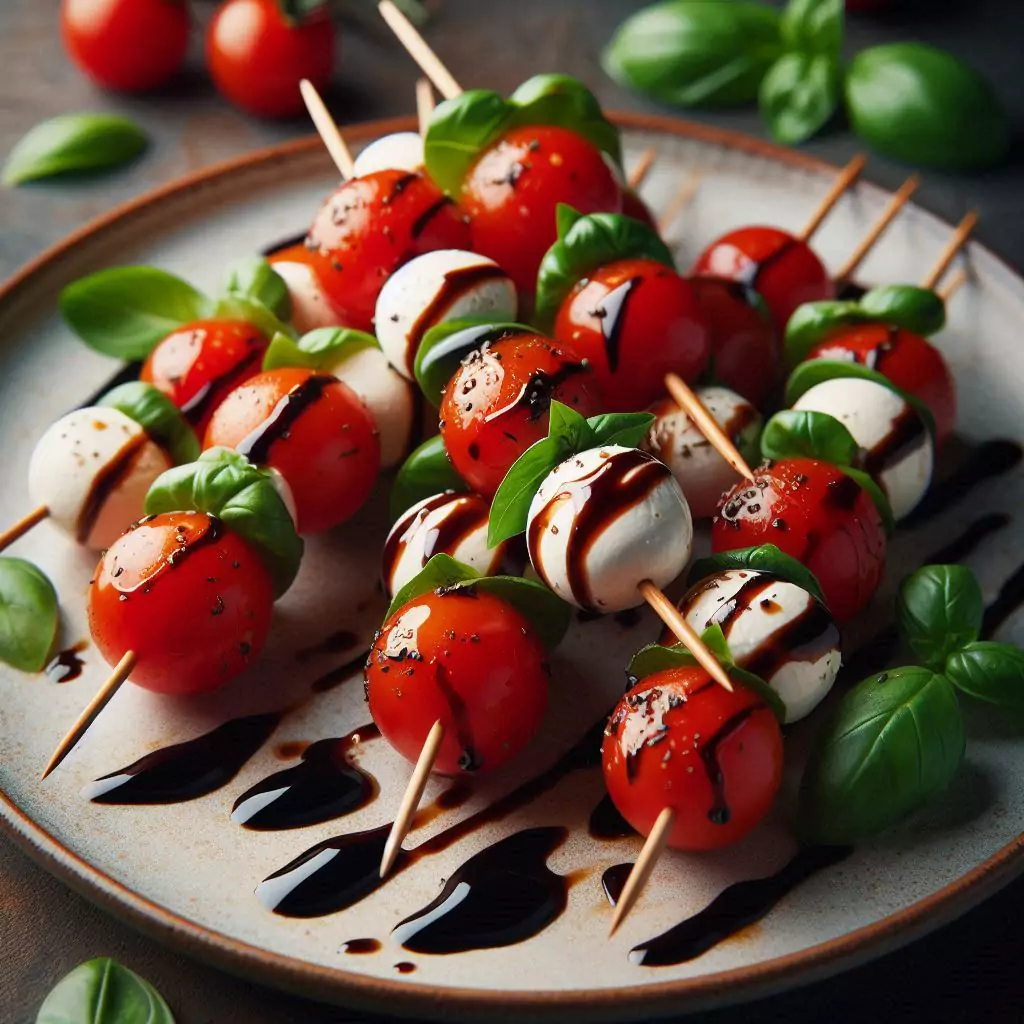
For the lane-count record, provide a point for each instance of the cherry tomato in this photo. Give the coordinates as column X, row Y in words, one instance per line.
column 497, row 404
column 512, row 190
column 200, row 362
column 634, row 321
column 257, row 56
column 817, row 514
column 908, row 360
column 680, row 740
column 633, row 206
column 468, row 660
column 314, row 431
column 744, row 350
column 126, row 45
column 371, row 226
column 775, row 263
column 187, row 596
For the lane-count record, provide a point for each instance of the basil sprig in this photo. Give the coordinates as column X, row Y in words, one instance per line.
column 548, row 614
column 766, row 558
column 102, row 991
column 158, row 416
column 586, row 243
column 254, row 278
column 426, row 471
column 29, row 615
column 939, row 611
column 225, row 484
column 318, row 349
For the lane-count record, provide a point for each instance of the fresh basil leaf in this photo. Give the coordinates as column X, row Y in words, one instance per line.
column 459, row 130
column 319, row 349
column 124, row 311
column 568, row 425
column 915, row 309
column 254, row 278
column 799, row 95
column 28, row 615
column 592, row 241
column 565, row 217
column 814, row 322
column 990, row 671
column 158, row 416
column 878, row 497
column 765, row 558
column 623, row 428
column 939, row 610
column 101, row 991
column 74, row 142
column 806, row 433
column 224, row 484
column 251, row 311
column 895, row 741
column 426, row 471
column 693, row 53
column 440, row 571
column 814, row 26
column 510, row 508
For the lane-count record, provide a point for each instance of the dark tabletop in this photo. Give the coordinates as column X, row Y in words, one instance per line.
column 969, row 970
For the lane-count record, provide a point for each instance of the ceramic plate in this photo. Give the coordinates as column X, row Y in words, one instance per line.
column 189, row 874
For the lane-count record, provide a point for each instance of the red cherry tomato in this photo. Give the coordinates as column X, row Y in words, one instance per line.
column 497, row 404
column 314, row 431
column 468, row 660
column 775, row 263
column 744, row 351
column 635, row 321
column 188, row 597
column 371, row 226
column 512, row 190
column 257, row 56
column 817, row 514
column 126, row 45
column 199, row 363
column 633, row 206
column 680, row 740
column 908, row 360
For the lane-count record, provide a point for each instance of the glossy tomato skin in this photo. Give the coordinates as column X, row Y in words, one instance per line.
column 188, row 597
column 257, row 56
column 512, row 190
column 908, row 360
column 201, row 362
column 314, row 431
column 775, row 263
column 498, row 404
column 635, row 321
column 679, row 740
column 466, row 659
column 372, row 225
column 817, row 514
column 126, row 45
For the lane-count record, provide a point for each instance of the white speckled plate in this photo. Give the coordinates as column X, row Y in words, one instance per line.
column 186, row 873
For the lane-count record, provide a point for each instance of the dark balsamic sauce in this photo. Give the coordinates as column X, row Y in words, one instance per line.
column 336, row 676
column 203, row 401
column 607, row 823
column 960, row 547
column 719, row 812
column 465, row 342
column 850, row 291
column 256, row 447
column 612, row 315
column 906, row 434
column 750, row 275
column 405, row 967
column 104, row 484
column 1007, row 601
column 613, row 881
column 66, row 665
column 287, row 243
column 128, row 372
column 419, row 225
column 337, row 643
column 361, row 947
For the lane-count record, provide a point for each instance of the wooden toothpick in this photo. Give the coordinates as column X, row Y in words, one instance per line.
column 680, row 201
column 955, row 244
column 22, row 526
column 326, row 128
column 952, row 286
column 895, row 204
column 847, row 176
column 645, row 864
column 430, row 64
column 643, row 166
column 424, row 103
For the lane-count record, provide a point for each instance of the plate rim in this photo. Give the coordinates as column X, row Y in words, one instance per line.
column 359, row 991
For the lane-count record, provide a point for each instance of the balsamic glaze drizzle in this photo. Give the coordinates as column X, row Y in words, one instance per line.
column 256, row 447
column 607, row 823
column 66, row 665
column 613, row 881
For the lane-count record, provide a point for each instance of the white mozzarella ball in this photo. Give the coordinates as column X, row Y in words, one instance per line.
column 604, row 521
column 898, row 449
column 433, row 288
column 399, row 151
column 92, row 470
column 702, row 473
column 775, row 629
column 310, row 306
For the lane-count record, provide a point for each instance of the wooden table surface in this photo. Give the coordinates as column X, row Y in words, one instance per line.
column 970, row 969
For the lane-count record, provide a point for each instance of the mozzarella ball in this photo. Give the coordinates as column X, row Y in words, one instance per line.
column 897, row 446
column 775, row 629
column 604, row 521
column 702, row 473
column 433, row 288
column 92, row 470
column 310, row 306
column 399, row 151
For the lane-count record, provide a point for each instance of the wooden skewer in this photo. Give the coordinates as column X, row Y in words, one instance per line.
column 638, row 175
column 411, row 799
column 847, row 176
column 898, row 201
column 22, row 526
column 121, row 672
column 420, row 52
column 953, row 285
column 680, row 201
column 645, row 864
column 326, row 128
column 956, row 243
column 424, row 103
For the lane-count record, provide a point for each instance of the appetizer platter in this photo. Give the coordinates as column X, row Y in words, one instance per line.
column 577, row 535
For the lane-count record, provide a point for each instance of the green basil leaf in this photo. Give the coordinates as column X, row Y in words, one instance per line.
column 925, row 106
column 251, row 311
column 320, row 349
column 895, row 741
column 814, row 26
column 805, row 433
column 254, row 278
column 799, row 95
column 459, row 130
column 74, row 142
column 440, row 571
column 989, row 671
column 510, row 508
column 101, row 991
column 623, row 428
column 590, row 242
column 939, row 610
column 124, row 311
column 915, row 309
column 876, row 494
column 570, row 427
column 158, row 416
column 763, row 558
column 426, row 471
column 814, row 322
column 225, row 484
column 28, row 615
column 693, row 53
